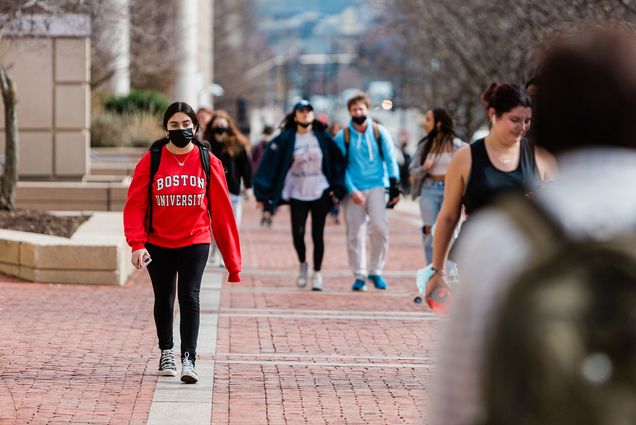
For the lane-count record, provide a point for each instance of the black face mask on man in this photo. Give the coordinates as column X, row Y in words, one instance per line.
column 359, row 120
column 180, row 138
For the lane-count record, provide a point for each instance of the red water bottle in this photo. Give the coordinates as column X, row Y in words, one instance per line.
column 439, row 300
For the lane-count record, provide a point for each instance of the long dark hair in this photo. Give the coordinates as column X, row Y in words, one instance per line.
column 441, row 135
column 289, row 123
column 236, row 141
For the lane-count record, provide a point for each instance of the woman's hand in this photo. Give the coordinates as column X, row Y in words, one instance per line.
column 138, row 257
column 358, row 198
column 438, row 280
column 428, row 164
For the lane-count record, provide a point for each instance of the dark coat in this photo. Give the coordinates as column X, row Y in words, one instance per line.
column 278, row 158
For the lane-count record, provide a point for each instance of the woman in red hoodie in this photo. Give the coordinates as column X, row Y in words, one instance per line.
column 170, row 222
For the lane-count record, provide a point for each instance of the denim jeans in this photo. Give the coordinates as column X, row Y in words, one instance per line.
column 431, row 198
column 237, row 208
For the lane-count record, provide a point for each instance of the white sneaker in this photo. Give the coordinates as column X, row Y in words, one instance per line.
column 167, row 365
column 188, row 374
column 303, row 272
column 316, row 281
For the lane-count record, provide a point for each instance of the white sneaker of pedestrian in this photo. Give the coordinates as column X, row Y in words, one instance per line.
column 316, row 281
column 167, row 365
column 303, row 272
column 188, row 374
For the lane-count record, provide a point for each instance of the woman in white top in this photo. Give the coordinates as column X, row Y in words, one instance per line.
column 428, row 168
column 304, row 168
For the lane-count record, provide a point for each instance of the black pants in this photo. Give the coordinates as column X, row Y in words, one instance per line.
column 299, row 212
column 188, row 264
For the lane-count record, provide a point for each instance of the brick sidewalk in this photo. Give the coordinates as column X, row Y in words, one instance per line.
column 86, row 355
column 76, row 354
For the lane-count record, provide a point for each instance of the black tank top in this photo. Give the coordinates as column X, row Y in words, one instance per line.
column 486, row 182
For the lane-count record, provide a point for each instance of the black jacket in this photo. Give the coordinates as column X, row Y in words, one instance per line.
column 236, row 167
column 278, row 158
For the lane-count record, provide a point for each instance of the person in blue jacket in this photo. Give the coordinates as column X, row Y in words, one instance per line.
column 368, row 150
column 303, row 167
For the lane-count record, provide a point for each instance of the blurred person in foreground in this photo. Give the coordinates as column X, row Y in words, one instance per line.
column 586, row 115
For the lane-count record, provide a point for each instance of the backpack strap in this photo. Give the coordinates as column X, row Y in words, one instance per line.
column 347, row 139
column 155, row 159
column 378, row 140
column 376, row 134
column 204, row 154
column 543, row 232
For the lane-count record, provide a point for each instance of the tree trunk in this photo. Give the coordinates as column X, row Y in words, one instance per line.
column 10, row 178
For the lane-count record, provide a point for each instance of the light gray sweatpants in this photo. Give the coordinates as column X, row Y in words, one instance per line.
column 378, row 232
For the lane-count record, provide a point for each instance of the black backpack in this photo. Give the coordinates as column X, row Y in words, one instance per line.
column 155, row 159
column 563, row 345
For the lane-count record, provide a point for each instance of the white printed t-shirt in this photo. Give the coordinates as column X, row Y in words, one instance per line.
column 305, row 180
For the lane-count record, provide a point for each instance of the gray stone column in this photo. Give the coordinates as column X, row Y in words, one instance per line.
column 120, row 46
column 187, row 79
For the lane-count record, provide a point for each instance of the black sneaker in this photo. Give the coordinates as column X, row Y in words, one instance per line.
column 167, row 365
column 188, row 374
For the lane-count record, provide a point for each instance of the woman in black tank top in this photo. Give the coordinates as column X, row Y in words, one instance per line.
column 486, row 181
column 503, row 161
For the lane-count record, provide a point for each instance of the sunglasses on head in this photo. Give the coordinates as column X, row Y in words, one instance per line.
column 221, row 130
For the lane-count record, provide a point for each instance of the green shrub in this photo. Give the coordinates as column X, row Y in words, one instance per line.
column 137, row 101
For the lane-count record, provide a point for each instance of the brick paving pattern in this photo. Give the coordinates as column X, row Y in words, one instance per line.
column 284, row 355
column 292, row 356
column 76, row 354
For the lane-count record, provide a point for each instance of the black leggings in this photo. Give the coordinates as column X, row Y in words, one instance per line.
column 299, row 212
column 188, row 263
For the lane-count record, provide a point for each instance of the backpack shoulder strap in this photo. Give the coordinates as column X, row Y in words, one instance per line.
column 347, row 140
column 543, row 232
column 378, row 139
column 204, row 154
column 155, row 159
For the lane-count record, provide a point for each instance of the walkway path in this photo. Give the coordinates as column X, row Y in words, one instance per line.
column 269, row 352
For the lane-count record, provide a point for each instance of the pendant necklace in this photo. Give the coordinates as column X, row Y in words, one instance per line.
column 176, row 159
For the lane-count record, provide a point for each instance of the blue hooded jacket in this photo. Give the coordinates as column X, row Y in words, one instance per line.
column 365, row 168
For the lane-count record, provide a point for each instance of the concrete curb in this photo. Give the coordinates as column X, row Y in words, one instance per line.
column 96, row 254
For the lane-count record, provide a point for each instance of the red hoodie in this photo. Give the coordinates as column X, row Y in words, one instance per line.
column 180, row 207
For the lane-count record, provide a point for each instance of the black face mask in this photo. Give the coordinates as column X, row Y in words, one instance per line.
column 302, row 124
column 181, row 138
column 359, row 120
column 221, row 130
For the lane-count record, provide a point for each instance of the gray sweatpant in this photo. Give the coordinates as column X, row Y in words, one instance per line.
column 378, row 231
